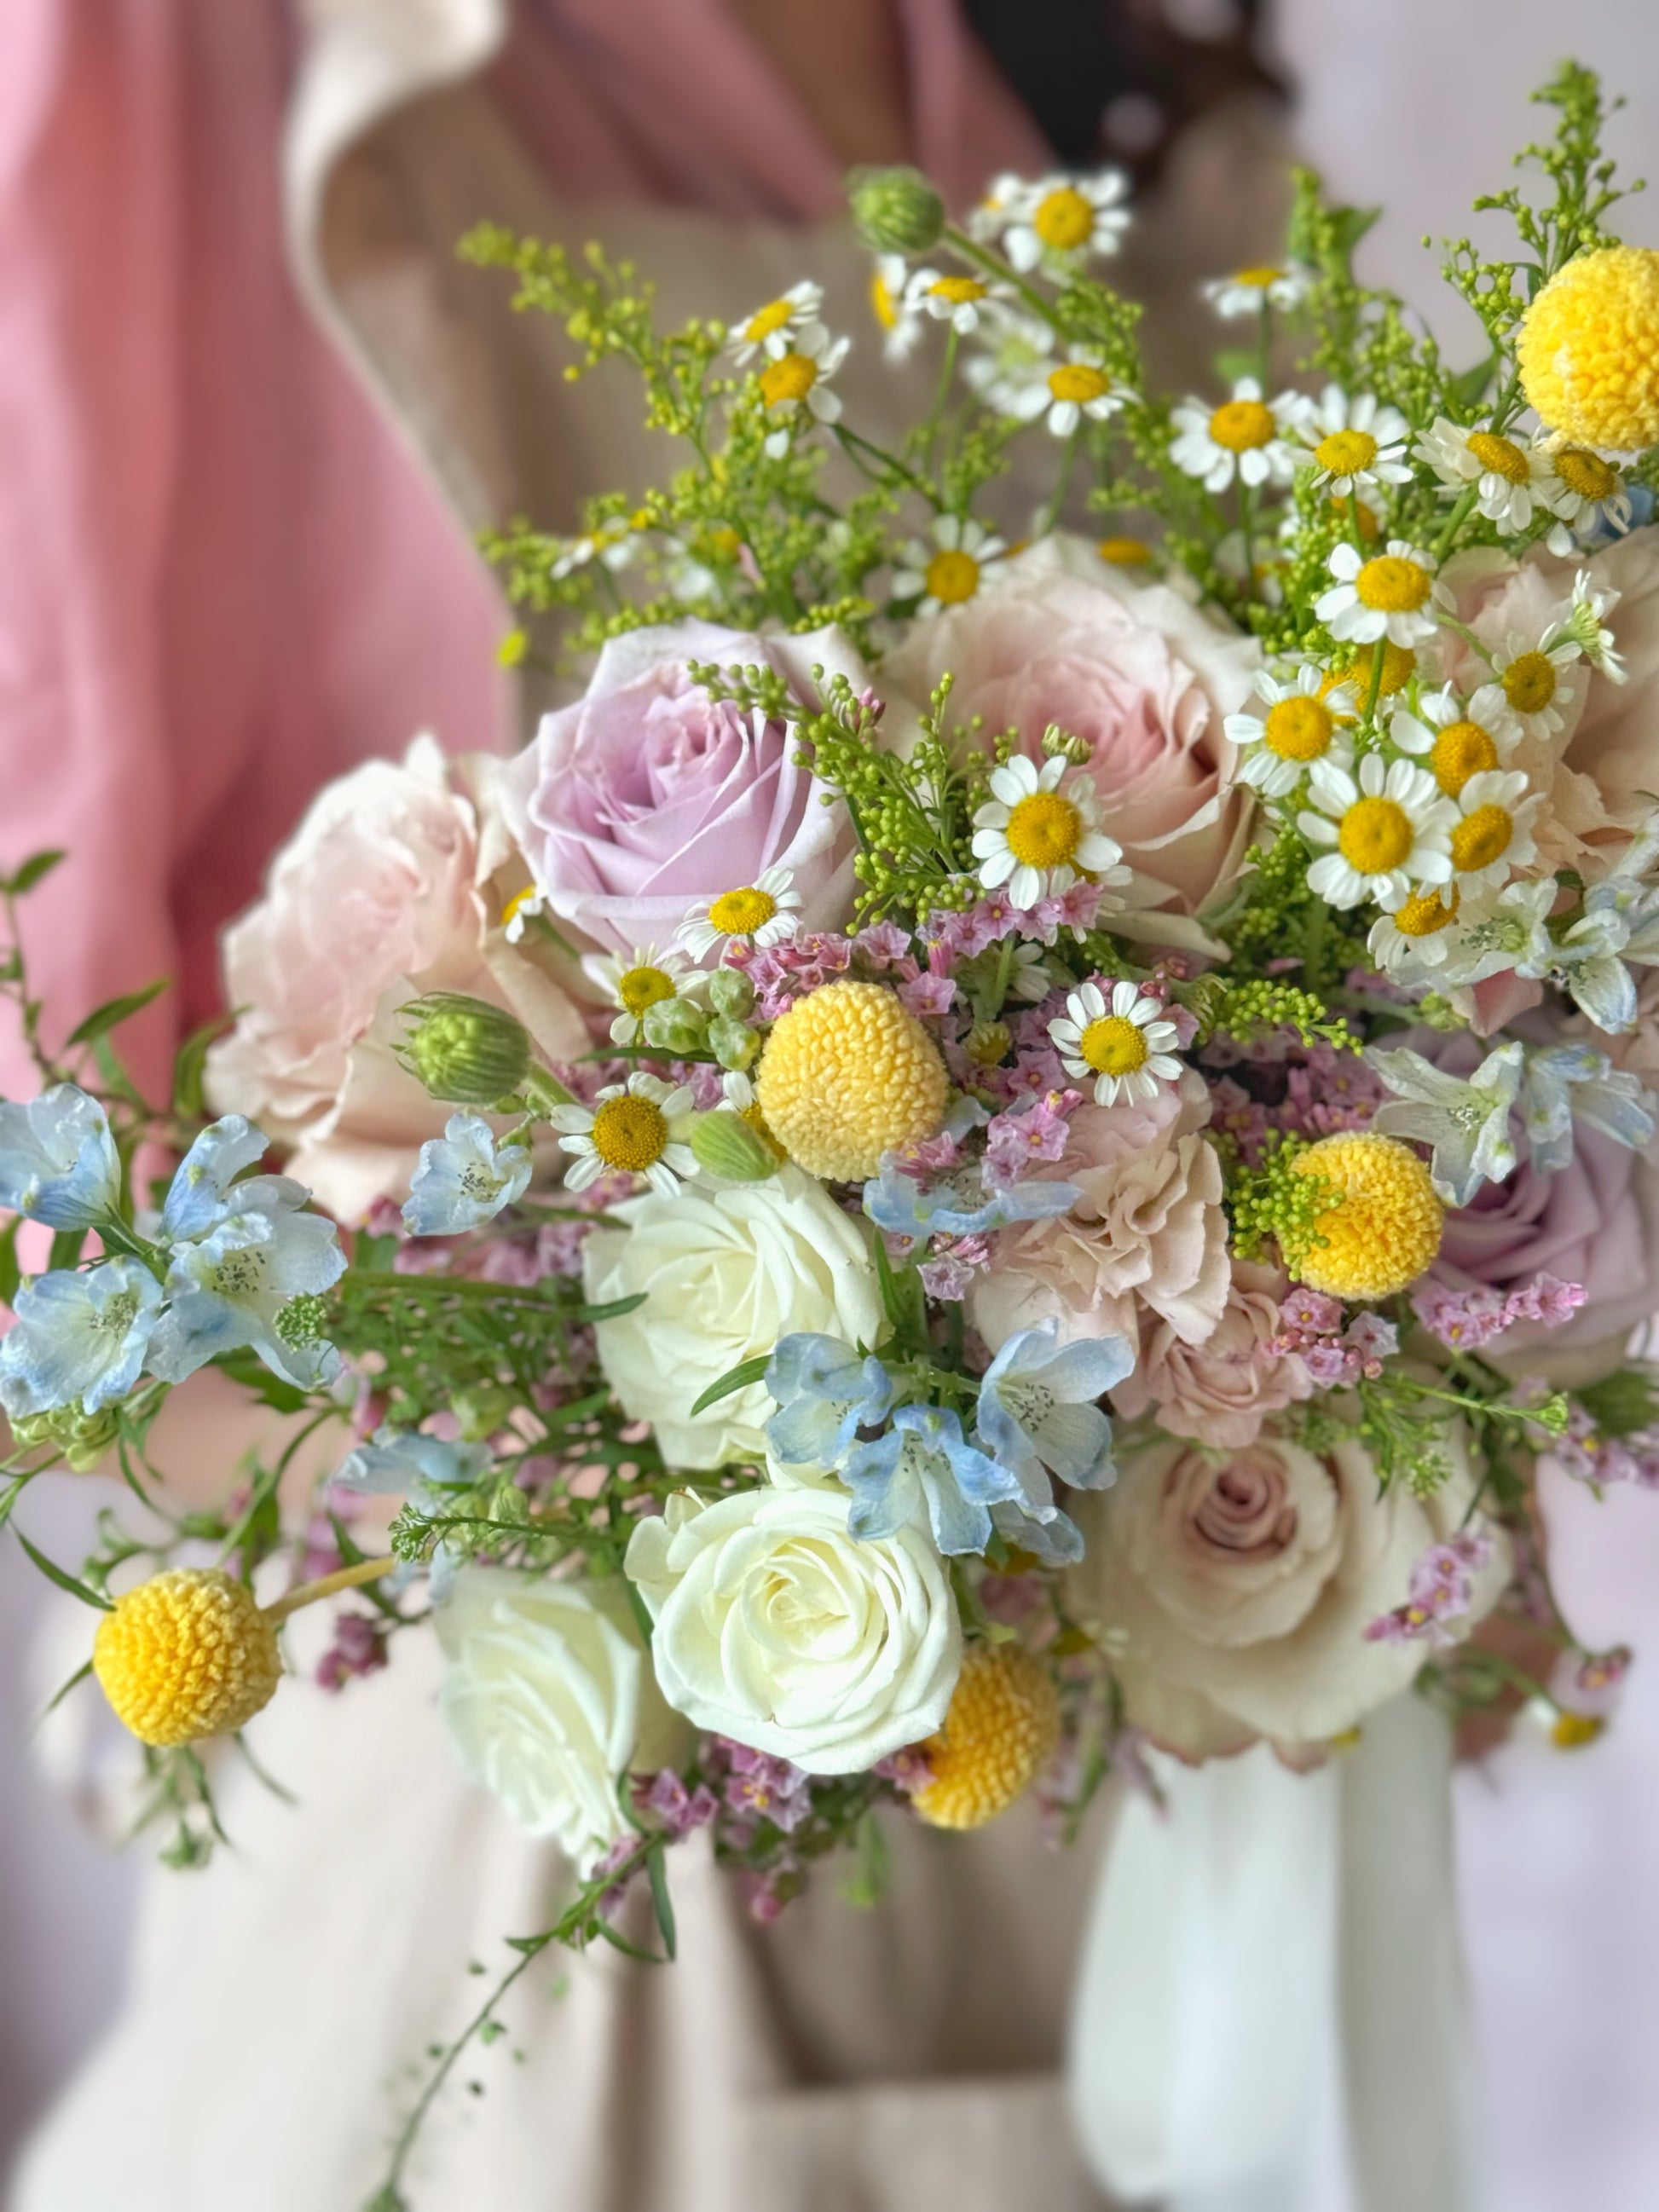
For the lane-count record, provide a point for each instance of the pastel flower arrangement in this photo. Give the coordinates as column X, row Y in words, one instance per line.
column 998, row 1147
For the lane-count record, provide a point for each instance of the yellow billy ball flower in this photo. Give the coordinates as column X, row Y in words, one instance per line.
column 999, row 1735
column 1588, row 349
column 1385, row 1228
column 187, row 1654
column 847, row 1075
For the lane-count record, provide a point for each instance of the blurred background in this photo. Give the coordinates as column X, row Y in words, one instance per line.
column 209, row 307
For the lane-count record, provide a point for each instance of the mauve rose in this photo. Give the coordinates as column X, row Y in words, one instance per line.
column 1222, row 1390
column 373, row 901
column 645, row 797
column 1242, row 1586
column 1059, row 635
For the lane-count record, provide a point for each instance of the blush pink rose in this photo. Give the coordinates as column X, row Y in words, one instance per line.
column 373, row 900
column 1146, row 1243
column 1219, row 1391
column 645, row 797
column 1059, row 635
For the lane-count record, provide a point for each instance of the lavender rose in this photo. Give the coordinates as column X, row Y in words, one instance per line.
column 645, row 797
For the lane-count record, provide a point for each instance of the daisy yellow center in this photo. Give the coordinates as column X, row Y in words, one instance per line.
column 791, row 377
column 1391, row 585
column 739, row 913
column 1298, row 729
column 725, row 543
column 1585, row 473
column 883, row 305
column 1529, row 682
column 1376, row 837
column 1114, row 1046
column 519, row 901
column 1572, row 1731
column 1065, row 220
column 1124, row 552
column 958, row 290
column 952, row 577
column 1345, row 452
column 1426, row 914
column 1586, row 354
column 640, row 987
column 1498, row 456
column 849, row 1074
column 1482, row 837
column 1077, row 381
column 1461, row 750
column 1258, row 278
column 1399, row 662
column 629, row 1133
column 1044, row 830
column 767, row 319
column 1242, row 425
column 1383, row 1228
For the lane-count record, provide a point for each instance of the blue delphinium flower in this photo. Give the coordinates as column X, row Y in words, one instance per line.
column 1038, row 1408
column 925, row 1460
column 204, row 1191
column 80, row 1337
column 1569, row 1083
column 825, row 1393
column 962, row 1202
column 255, row 1279
column 464, row 1179
column 1055, row 1542
column 58, row 1159
column 430, row 1474
column 1466, row 1120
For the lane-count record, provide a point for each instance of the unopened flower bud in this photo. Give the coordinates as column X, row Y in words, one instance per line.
column 733, row 1043
column 82, row 1438
column 895, row 210
column 1063, row 744
column 675, row 1025
column 729, row 1148
column 988, row 1042
column 480, row 1412
column 731, row 992
column 465, row 1050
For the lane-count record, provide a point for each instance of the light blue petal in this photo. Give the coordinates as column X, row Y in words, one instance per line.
column 1075, row 1442
column 58, row 1159
column 1056, row 1543
column 78, row 1336
column 463, row 1179
column 195, row 1200
column 1088, row 1367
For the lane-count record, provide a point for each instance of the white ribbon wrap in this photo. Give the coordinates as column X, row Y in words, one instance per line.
column 1269, row 2014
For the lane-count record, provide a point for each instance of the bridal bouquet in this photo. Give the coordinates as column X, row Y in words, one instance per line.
column 987, row 1153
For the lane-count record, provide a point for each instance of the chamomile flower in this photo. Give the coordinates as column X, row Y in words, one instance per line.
column 1123, row 1044
column 1302, row 725
column 520, row 910
column 1058, row 219
column 796, row 383
column 1387, row 594
column 1388, row 828
column 1510, row 475
column 1494, row 836
column 1039, row 830
column 637, row 1127
column 1588, row 494
column 1242, row 437
column 637, row 985
column 1018, row 355
column 613, row 545
column 1584, row 626
column 1454, row 741
column 962, row 301
column 890, row 303
column 1527, row 691
column 946, row 572
column 1416, row 938
column 1356, row 442
column 1065, row 392
column 779, row 325
column 764, row 912
column 1248, row 291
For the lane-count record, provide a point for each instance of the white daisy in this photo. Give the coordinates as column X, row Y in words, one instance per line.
column 1058, row 219
column 890, row 304
column 1029, row 978
column 764, row 912
column 1242, row 437
column 1356, row 442
column 1390, row 828
column 1387, row 594
column 1589, row 493
column 637, row 1128
column 520, row 910
column 1408, row 945
column 1019, row 354
column 637, row 985
column 613, row 545
column 1511, row 474
column 1494, row 838
column 1267, row 563
column 1065, row 392
column 1039, row 830
column 961, row 301
column 1123, row 1042
column 1584, row 626
column 797, row 382
column 1454, row 742
column 779, row 325
column 1303, row 725
column 1528, row 691
column 947, row 572
column 1248, row 291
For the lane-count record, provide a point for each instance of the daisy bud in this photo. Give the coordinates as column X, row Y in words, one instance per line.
column 733, row 1044
column 728, row 1147
column 895, row 210
column 1061, row 745
column 675, row 1026
column 465, row 1050
column 731, row 992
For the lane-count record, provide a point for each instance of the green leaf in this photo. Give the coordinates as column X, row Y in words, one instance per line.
column 64, row 1580
column 1351, row 225
column 902, row 1299
column 63, row 1689
column 621, row 1943
column 661, row 1903
column 610, row 1311
column 246, row 1369
column 190, row 1066
column 735, row 1378
column 10, row 1274
column 114, row 1011
column 34, row 870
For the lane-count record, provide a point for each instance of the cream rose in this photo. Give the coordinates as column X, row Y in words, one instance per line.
column 775, row 1628
column 548, row 1699
column 726, row 1272
column 1241, row 1585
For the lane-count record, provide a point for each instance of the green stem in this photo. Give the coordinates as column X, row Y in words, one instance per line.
column 1004, row 271
column 1455, row 520
column 1050, row 514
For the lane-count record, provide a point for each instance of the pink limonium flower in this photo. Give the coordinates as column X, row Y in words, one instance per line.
column 1014, row 1141
column 1440, row 1594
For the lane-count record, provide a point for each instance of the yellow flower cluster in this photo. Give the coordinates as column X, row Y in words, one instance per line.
column 847, row 1075
column 999, row 1736
column 1385, row 1227
column 186, row 1655
column 1588, row 349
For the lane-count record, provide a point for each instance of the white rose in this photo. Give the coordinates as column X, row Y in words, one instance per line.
column 775, row 1628
column 548, row 1699
column 727, row 1272
column 1242, row 1584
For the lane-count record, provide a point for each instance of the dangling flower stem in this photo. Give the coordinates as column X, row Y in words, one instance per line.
column 365, row 1571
